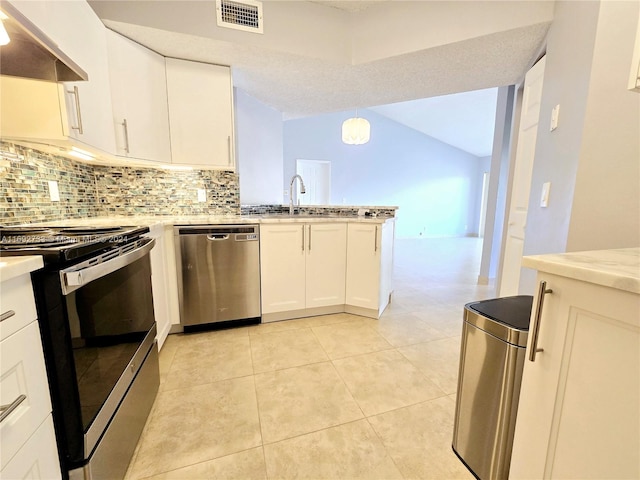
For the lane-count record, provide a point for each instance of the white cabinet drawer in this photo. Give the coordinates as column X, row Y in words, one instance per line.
column 38, row 459
column 16, row 295
column 22, row 372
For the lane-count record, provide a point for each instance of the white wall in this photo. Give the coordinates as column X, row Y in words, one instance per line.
column 436, row 186
column 591, row 159
column 259, row 151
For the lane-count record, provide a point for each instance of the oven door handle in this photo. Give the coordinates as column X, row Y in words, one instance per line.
column 83, row 273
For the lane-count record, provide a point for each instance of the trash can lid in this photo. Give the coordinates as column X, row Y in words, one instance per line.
column 514, row 312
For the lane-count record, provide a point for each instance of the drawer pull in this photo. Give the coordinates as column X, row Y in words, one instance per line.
column 7, row 315
column 5, row 410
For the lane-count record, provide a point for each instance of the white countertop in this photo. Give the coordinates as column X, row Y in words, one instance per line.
column 619, row 269
column 11, row 267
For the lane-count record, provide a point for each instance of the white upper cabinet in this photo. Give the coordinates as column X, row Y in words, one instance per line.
column 75, row 111
column 139, row 96
column 200, row 114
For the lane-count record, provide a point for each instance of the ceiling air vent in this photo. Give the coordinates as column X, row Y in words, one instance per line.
column 242, row 15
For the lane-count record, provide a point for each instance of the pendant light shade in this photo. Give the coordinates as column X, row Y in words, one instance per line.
column 356, row 131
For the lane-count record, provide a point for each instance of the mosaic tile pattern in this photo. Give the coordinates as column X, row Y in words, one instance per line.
column 93, row 190
column 24, row 191
column 154, row 191
column 351, row 211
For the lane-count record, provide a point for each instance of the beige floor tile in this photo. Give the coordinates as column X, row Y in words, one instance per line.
column 406, row 329
column 198, row 424
column 350, row 338
column 419, row 437
column 301, row 400
column 214, row 358
column 384, row 381
column 288, row 348
column 351, row 451
column 238, row 466
column 437, row 360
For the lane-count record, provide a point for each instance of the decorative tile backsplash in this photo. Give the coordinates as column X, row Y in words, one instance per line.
column 24, row 176
column 93, row 190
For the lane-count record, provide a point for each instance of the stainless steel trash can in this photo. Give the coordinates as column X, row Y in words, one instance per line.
column 492, row 355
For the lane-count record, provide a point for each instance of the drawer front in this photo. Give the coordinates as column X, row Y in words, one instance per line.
column 38, row 458
column 22, row 372
column 16, row 295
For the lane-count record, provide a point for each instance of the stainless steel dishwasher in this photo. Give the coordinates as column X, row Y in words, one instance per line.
column 218, row 274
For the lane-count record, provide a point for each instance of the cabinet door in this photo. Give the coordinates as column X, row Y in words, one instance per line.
column 200, row 113
column 363, row 265
column 282, row 267
column 579, row 409
column 160, row 284
column 139, row 94
column 81, row 35
column 326, row 264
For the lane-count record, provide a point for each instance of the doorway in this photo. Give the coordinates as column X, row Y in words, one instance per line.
column 316, row 175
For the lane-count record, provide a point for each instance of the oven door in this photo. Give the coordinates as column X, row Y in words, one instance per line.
column 109, row 308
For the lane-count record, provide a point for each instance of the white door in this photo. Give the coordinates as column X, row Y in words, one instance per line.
column 317, row 180
column 522, row 179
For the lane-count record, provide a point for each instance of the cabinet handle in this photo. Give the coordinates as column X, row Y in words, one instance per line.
column 535, row 330
column 303, row 238
column 229, row 149
column 7, row 315
column 309, row 238
column 5, row 410
column 76, row 95
column 126, row 135
column 375, row 240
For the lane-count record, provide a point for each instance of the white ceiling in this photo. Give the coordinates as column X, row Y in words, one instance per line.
column 320, row 57
column 464, row 120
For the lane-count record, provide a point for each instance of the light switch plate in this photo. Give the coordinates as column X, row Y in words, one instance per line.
column 54, row 193
column 555, row 114
column 202, row 195
column 544, row 198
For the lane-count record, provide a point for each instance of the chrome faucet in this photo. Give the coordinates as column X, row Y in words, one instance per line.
column 302, row 191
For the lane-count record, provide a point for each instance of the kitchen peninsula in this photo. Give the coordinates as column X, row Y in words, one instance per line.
column 343, row 264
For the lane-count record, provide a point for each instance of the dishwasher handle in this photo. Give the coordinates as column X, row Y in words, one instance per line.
column 216, row 237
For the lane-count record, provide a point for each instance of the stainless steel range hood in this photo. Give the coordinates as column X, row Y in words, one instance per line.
column 32, row 54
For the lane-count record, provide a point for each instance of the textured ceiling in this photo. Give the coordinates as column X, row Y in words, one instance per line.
column 299, row 83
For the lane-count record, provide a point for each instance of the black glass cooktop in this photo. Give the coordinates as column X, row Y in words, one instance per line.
column 64, row 243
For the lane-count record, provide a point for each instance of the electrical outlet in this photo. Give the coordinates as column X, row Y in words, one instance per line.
column 202, row 195
column 54, row 193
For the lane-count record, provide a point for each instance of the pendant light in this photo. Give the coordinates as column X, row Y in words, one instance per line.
column 356, row 131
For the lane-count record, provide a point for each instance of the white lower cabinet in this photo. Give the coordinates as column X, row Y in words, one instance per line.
column 164, row 281
column 302, row 268
column 369, row 267
column 27, row 442
column 579, row 409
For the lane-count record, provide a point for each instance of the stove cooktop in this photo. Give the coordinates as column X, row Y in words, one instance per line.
column 63, row 243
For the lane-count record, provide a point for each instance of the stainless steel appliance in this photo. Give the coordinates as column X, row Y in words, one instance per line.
column 492, row 354
column 95, row 312
column 218, row 274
